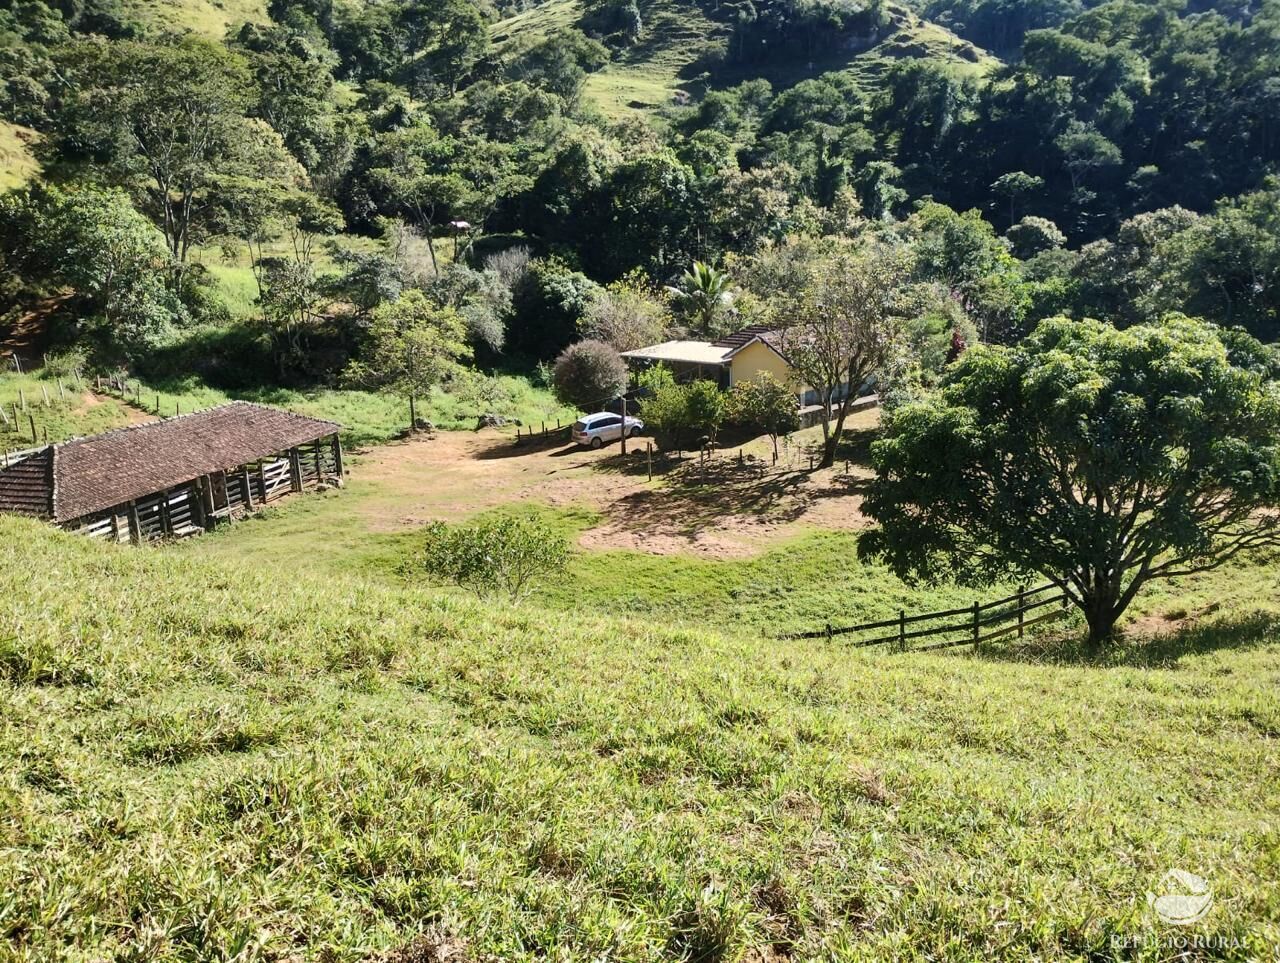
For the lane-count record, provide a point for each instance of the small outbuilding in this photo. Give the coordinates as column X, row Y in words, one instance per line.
column 176, row 477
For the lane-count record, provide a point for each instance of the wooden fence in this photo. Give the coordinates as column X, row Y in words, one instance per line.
column 978, row 623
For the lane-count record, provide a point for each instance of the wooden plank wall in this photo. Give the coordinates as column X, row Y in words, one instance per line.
column 193, row 507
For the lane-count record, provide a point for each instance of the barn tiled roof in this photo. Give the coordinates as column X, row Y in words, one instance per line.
column 92, row 474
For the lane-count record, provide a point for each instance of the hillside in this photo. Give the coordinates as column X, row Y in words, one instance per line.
column 265, row 764
column 680, row 52
column 17, row 164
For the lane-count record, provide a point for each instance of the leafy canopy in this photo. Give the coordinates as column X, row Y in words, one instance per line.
column 1098, row 458
column 588, row 375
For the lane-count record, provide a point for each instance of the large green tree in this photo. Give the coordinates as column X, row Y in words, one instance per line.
column 413, row 347
column 1100, row 459
column 93, row 241
column 167, row 121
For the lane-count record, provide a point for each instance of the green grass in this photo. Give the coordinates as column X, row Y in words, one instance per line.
column 367, row 417
column 64, row 417
column 205, row 760
column 208, row 17
column 646, row 77
column 17, row 165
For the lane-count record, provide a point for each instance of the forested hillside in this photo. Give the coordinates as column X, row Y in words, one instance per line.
column 231, row 192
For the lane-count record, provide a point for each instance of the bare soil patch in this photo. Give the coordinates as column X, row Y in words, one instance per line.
column 133, row 416
column 729, row 508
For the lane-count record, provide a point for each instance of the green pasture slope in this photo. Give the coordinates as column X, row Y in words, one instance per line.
column 214, row 760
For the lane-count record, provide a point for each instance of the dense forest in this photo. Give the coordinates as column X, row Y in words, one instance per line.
column 1116, row 160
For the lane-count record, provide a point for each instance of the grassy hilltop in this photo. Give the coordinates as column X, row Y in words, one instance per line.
column 205, row 760
column 681, row 42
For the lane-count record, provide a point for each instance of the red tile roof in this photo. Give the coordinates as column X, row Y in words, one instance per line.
column 92, row 474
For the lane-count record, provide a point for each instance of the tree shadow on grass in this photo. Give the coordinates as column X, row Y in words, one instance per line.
column 1161, row 651
column 855, row 446
column 698, row 495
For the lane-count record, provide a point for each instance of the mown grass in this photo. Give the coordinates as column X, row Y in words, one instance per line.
column 214, row 761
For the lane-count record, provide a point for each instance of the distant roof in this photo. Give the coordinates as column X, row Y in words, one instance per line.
column 690, row 352
column 740, row 339
column 87, row 475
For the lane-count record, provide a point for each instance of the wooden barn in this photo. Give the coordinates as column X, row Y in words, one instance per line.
column 176, row 477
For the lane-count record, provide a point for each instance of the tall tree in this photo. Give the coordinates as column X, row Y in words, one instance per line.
column 844, row 327
column 1097, row 458
column 168, row 122
column 413, row 347
column 704, row 293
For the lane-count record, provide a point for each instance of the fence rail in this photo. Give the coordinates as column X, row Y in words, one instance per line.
column 1011, row 609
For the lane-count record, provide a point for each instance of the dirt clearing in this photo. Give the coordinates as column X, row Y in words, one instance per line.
column 731, row 507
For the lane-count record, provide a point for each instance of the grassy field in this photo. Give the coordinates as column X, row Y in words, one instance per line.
column 17, row 165
column 205, row 760
column 209, row 17
column 677, row 35
column 70, row 412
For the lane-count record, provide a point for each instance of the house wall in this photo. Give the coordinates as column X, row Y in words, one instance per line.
column 756, row 358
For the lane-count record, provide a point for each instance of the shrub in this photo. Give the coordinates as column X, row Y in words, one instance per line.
column 588, row 374
column 494, row 556
column 767, row 404
column 675, row 413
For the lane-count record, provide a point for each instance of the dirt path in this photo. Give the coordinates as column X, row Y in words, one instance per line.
column 728, row 510
column 89, row 401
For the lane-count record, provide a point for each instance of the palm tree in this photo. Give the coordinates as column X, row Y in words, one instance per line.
column 704, row 292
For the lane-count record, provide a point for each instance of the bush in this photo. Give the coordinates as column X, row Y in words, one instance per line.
column 588, row 374
column 547, row 306
column 494, row 556
column 767, row 404
column 677, row 413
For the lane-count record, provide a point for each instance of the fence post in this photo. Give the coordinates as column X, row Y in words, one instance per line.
column 828, row 631
column 34, row 439
column 1022, row 591
column 976, row 628
column 902, row 629
column 648, row 456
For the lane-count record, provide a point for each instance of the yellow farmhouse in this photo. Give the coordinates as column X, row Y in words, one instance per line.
column 740, row 357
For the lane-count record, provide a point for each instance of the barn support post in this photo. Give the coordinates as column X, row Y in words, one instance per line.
column 248, row 488
column 295, row 470
column 135, row 524
column 337, row 458
column 166, row 523
column 262, row 479
column 201, row 489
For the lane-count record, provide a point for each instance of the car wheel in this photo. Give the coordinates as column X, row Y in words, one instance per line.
column 632, row 432
column 597, row 442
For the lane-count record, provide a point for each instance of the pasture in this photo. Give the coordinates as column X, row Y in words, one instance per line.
column 283, row 741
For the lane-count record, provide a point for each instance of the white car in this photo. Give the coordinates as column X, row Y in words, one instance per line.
column 595, row 430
